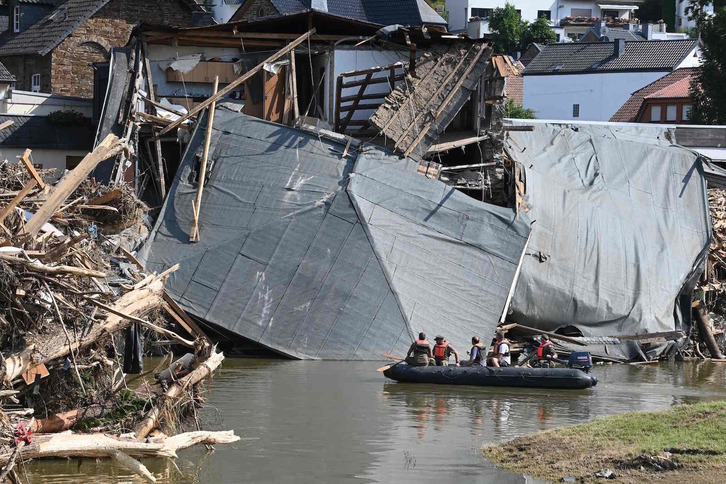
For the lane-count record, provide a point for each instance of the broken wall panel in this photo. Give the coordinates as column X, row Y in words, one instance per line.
column 621, row 229
column 419, row 110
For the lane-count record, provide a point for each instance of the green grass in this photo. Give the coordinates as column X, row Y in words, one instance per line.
column 694, row 434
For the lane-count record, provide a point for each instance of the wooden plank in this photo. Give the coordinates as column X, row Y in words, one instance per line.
column 159, row 106
column 455, row 144
column 372, row 70
column 6, row 124
column 365, row 97
column 194, row 235
column 375, row 80
column 230, row 87
column 178, row 319
column 18, row 198
column 109, row 147
column 25, row 158
column 178, row 310
column 517, row 128
column 352, row 108
column 360, row 107
column 104, row 199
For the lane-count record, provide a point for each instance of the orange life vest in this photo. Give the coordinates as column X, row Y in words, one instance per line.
column 440, row 350
column 540, row 350
column 499, row 344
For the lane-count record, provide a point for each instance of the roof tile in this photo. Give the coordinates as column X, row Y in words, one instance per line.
column 575, row 58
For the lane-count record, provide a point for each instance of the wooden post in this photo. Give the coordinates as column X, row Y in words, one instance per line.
column 331, row 84
column 160, row 177
column 194, row 233
column 293, row 85
column 233, row 85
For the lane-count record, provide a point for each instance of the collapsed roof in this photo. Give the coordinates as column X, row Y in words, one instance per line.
column 318, row 253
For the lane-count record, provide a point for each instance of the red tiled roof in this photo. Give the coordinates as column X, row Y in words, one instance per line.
column 680, row 88
column 628, row 111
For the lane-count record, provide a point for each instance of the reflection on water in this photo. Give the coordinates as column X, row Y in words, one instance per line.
column 326, row 422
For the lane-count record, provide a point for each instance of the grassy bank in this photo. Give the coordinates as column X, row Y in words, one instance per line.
column 686, row 442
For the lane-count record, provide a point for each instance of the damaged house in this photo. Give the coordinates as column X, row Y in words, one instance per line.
column 318, row 233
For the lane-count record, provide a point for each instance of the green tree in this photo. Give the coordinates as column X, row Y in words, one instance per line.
column 651, row 10
column 707, row 89
column 538, row 32
column 507, row 27
column 515, row 111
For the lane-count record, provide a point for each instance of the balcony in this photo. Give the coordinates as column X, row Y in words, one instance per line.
column 588, row 22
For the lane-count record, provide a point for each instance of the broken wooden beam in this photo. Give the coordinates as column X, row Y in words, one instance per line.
column 18, row 198
column 194, row 232
column 246, row 76
column 25, row 158
column 109, row 147
column 52, row 270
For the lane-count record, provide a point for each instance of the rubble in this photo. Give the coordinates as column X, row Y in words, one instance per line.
column 71, row 295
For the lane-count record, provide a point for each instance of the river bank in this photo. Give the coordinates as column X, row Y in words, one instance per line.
column 685, row 442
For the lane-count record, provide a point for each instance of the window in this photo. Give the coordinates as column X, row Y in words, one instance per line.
column 581, row 12
column 655, row 114
column 671, row 112
column 544, row 13
column 575, row 110
column 613, row 14
column 482, row 13
column 16, row 19
column 35, row 83
column 687, row 112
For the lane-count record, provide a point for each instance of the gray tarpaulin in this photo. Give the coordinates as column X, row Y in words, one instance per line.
column 289, row 258
column 621, row 228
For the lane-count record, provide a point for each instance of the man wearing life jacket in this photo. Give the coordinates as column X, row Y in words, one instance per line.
column 476, row 355
column 442, row 352
column 421, row 351
column 546, row 351
column 502, row 354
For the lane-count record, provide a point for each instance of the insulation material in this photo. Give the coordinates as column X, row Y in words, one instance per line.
column 621, row 229
column 291, row 259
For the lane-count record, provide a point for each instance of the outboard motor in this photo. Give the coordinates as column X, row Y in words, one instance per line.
column 580, row 360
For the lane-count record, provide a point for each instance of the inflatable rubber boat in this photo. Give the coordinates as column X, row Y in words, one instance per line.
column 575, row 376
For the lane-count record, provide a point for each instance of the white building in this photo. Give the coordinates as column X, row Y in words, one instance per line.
column 590, row 81
column 683, row 21
column 224, row 9
column 569, row 18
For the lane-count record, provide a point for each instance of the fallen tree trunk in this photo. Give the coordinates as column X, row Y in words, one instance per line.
column 63, row 421
column 68, row 444
column 137, row 302
column 201, row 372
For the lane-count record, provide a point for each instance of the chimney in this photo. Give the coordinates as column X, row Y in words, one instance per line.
column 619, row 47
column 599, row 28
column 648, row 31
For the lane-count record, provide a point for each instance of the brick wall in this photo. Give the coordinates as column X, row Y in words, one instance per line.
column 23, row 67
column 72, row 73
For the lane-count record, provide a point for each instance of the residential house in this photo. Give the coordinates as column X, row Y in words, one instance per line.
column 52, row 45
column 600, row 32
column 569, row 18
column 223, row 10
column 666, row 100
column 382, row 12
column 683, row 17
column 58, row 141
column 590, row 81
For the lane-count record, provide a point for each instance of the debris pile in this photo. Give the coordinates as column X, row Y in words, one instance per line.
column 711, row 293
column 75, row 310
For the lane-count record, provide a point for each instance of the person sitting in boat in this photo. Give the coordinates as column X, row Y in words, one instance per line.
column 546, row 352
column 502, row 354
column 476, row 355
column 443, row 351
column 421, row 351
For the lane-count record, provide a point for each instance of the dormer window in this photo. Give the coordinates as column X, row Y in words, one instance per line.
column 16, row 19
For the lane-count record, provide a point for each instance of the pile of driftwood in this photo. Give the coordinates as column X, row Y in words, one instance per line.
column 75, row 309
column 710, row 308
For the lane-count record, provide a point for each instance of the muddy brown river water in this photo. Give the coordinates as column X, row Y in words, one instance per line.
column 340, row 422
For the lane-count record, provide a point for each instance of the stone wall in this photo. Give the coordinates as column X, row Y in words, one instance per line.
column 23, row 67
column 72, row 70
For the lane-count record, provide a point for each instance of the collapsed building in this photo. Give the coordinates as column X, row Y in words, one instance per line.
column 350, row 186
